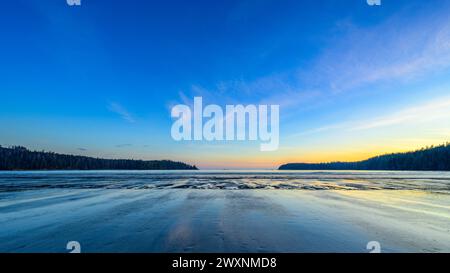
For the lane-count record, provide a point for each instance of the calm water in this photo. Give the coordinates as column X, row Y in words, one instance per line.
column 224, row 211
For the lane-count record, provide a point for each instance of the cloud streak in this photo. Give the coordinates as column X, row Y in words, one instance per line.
column 123, row 145
column 414, row 115
column 423, row 113
column 397, row 50
column 121, row 111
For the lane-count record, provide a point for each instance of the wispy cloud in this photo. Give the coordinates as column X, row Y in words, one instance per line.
column 321, row 129
column 413, row 115
column 123, row 145
column 120, row 110
column 398, row 50
column 423, row 113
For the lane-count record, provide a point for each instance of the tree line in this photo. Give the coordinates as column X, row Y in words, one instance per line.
column 426, row 159
column 20, row 158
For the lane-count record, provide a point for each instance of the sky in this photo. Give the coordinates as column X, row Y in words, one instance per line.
column 100, row 79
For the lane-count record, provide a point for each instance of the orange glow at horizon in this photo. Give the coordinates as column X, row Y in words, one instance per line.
column 310, row 155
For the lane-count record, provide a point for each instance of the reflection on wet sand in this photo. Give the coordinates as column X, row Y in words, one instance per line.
column 130, row 217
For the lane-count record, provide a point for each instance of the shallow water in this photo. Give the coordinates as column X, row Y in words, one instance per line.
column 305, row 180
column 224, row 211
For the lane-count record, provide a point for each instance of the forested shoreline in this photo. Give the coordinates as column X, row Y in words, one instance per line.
column 426, row 159
column 20, row 158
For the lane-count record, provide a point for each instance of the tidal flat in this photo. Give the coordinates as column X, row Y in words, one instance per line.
column 224, row 211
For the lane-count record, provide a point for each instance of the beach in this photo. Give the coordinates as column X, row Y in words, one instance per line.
column 241, row 211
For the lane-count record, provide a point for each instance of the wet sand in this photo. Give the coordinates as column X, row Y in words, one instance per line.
column 218, row 220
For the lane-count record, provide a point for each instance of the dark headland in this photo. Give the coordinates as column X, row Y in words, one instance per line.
column 426, row 159
column 20, row 158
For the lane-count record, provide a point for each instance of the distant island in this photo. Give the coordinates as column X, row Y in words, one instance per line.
column 20, row 158
column 425, row 159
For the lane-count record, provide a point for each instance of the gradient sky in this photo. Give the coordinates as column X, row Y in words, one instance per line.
column 352, row 80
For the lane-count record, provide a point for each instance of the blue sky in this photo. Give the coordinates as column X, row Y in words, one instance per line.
column 352, row 80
